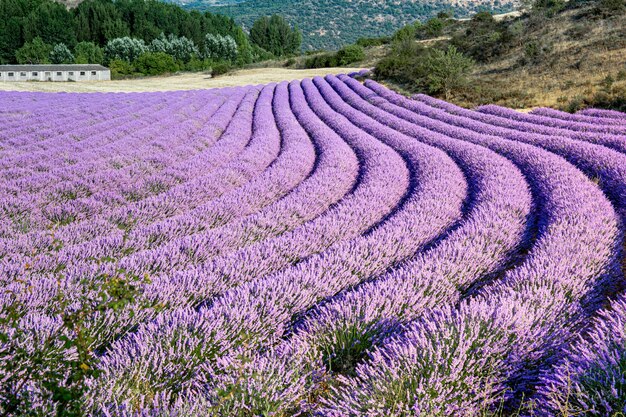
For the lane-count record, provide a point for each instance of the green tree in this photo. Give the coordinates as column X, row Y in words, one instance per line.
column 61, row 54
column 275, row 35
column 155, row 63
column 220, row 48
column 447, row 70
column 88, row 53
column 35, row 52
column 51, row 22
column 126, row 49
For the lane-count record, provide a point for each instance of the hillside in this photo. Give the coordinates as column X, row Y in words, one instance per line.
column 330, row 24
column 572, row 59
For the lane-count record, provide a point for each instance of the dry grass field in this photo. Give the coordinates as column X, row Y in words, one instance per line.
column 186, row 81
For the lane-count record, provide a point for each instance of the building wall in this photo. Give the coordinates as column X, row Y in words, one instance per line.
column 101, row 75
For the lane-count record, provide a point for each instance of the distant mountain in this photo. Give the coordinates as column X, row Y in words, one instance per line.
column 329, row 24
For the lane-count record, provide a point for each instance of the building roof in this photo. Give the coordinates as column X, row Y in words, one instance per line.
column 73, row 67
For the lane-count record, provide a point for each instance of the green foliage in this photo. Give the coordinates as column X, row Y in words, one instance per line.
column 220, row 68
column 276, row 36
column 447, row 70
column 121, row 69
column 125, row 49
column 180, row 48
column 408, row 32
column 368, row 42
column 61, row 54
column 535, row 51
column 155, row 63
column 51, row 22
column 345, row 56
column 350, row 54
column 102, row 21
column 547, row 8
column 485, row 39
column 325, row 60
column 402, row 64
column 88, row 53
column 220, row 48
column 434, row 71
column 332, row 24
column 35, row 52
column 432, row 28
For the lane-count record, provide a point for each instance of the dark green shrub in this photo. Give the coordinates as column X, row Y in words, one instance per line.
column 155, row 63
column 369, row 42
column 432, row 28
column 220, row 68
column 121, row 69
column 350, row 54
column 326, row 60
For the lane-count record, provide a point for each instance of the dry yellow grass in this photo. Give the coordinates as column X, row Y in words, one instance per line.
column 186, row 81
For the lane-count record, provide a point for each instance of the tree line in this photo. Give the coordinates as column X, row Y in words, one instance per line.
column 121, row 32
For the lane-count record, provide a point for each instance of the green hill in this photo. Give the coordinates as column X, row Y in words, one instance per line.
column 330, row 24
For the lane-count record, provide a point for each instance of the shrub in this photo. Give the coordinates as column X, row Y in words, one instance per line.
column 326, row 60
column 88, row 53
column 368, row 42
column 432, row 28
column 485, row 38
column 220, row 68
column 447, row 70
column 125, row 49
column 407, row 32
column 61, row 54
column 220, row 48
column 155, row 63
column 350, row 54
column 120, row 68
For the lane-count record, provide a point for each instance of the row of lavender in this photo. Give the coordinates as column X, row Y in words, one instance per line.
column 320, row 247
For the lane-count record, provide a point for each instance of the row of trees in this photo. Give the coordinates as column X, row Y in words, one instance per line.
column 31, row 29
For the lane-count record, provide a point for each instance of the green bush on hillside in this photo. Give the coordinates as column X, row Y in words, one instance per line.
column 350, row 54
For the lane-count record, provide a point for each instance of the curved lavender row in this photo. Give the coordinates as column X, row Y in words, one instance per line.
column 267, row 193
column 68, row 233
column 541, row 121
column 349, row 322
column 382, row 183
column 498, row 122
column 275, row 298
column 151, row 215
column 590, row 379
column 609, row 114
column 515, row 323
column 333, row 176
column 596, row 161
column 561, row 115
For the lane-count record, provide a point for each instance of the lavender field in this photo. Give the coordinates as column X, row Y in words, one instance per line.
column 322, row 247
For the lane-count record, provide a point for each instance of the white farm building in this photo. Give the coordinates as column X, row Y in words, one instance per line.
column 78, row 72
